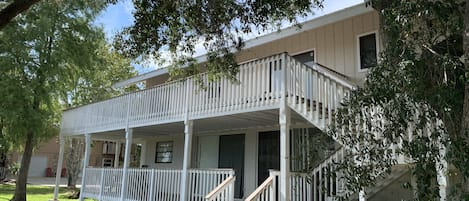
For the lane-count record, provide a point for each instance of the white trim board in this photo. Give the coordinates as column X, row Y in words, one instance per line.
column 289, row 31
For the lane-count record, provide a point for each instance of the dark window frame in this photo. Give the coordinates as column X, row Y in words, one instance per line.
column 160, row 150
column 373, row 50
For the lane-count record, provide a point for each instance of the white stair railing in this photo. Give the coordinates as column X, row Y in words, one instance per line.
column 267, row 191
column 315, row 93
column 203, row 181
column 322, row 183
column 223, row 192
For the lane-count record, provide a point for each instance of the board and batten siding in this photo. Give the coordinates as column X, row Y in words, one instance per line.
column 335, row 45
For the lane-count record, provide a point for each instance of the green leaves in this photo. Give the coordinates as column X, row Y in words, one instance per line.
column 417, row 84
column 178, row 26
column 48, row 56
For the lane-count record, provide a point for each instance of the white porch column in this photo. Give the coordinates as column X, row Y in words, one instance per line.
column 59, row 168
column 143, row 153
column 86, row 161
column 188, row 125
column 284, row 121
column 128, row 148
column 117, row 154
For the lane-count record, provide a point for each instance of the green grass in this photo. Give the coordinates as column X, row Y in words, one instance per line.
column 34, row 193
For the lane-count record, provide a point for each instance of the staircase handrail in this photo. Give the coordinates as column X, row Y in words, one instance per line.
column 227, row 185
column 259, row 190
column 339, row 78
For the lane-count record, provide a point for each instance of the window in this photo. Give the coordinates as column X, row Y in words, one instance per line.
column 164, row 152
column 368, row 51
column 109, row 147
column 307, row 57
column 107, row 162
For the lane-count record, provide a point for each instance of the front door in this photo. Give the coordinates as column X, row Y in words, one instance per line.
column 231, row 155
column 269, row 154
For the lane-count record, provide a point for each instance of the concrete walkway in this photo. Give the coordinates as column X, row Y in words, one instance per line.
column 49, row 181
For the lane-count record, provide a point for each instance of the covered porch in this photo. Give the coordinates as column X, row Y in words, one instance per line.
column 271, row 95
column 219, row 154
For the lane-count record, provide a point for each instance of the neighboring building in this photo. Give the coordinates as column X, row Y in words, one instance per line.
column 45, row 156
column 291, row 82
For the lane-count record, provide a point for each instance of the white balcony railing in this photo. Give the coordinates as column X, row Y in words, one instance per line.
column 150, row 184
column 312, row 91
column 258, row 86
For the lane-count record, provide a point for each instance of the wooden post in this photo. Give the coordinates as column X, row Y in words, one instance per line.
column 59, row 168
column 117, row 154
column 188, row 126
column 86, row 161
column 128, row 148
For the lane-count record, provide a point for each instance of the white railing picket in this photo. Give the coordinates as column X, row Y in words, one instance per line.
column 152, row 184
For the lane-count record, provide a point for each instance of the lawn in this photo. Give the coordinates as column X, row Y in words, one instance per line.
column 34, row 193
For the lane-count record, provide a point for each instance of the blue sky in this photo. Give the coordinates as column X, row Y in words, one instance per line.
column 118, row 16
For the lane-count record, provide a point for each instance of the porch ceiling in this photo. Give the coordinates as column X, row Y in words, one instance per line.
column 219, row 124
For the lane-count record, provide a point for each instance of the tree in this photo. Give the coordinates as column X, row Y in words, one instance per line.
column 40, row 54
column 92, row 86
column 13, row 9
column 419, row 87
column 177, row 26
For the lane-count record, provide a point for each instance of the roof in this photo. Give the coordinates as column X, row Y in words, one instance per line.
column 307, row 25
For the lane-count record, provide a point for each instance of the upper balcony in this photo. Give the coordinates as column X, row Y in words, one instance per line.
column 260, row 85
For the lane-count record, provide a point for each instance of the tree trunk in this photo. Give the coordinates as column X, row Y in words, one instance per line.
column 14, row 9
column 20, row 191
column 74, row 154
column 72, row 181
column 465, row 115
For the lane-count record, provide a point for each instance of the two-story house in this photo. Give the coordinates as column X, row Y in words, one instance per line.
column 245, row 140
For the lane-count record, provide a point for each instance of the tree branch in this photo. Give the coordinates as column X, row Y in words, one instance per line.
column 14, row 9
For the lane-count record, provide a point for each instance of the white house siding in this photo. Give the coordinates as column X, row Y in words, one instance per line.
column 335, row 44
column 250, row 161
column 178, row 151
column 205, row 152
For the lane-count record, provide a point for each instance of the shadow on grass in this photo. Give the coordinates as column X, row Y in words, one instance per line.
column 7, row 191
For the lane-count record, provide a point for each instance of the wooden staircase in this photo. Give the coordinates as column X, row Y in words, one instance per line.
column 315, row 93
